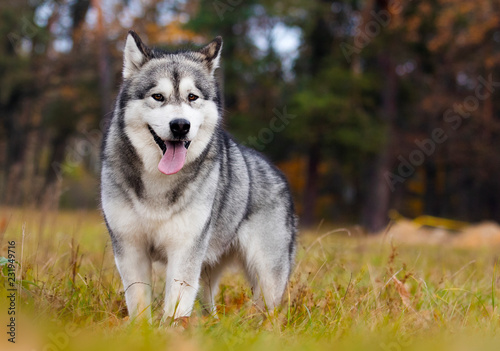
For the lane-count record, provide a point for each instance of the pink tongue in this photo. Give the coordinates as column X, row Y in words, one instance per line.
column 174, row 158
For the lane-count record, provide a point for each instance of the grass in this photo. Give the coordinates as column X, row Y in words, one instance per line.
column 347, row 293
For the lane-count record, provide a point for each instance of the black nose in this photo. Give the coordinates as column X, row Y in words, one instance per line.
column 180, row 127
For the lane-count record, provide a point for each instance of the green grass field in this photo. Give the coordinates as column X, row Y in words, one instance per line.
column 347, row 293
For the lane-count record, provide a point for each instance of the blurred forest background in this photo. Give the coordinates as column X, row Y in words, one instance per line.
column 366, row 105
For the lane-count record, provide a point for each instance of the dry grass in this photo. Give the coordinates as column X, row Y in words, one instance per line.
column 349, row 293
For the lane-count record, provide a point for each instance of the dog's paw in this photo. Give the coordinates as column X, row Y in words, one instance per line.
column 181, row 323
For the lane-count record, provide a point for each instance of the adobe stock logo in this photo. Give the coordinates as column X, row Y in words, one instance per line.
column 266, row 135
column 221, row 7
column 371, row 29
column 453, row 117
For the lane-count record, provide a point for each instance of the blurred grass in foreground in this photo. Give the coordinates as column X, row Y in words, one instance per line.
column 349, row 293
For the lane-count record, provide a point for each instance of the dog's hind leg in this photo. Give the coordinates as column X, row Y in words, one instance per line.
column 267, row 259
column 268, row 280
column 210, row 277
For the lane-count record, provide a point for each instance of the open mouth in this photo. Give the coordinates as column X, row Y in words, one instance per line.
column 174, row 153
column 162, row 144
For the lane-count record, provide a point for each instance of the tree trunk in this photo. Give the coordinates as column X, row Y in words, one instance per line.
column 103, row 64
column 311, row 189
column 15, row 132
column 431, row 196
column 49, row 197
column 376, row 206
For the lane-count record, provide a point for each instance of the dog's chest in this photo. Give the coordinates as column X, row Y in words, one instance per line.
column 160, row 229
column 170, row 216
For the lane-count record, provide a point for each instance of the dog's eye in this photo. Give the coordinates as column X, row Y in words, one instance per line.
column 192, row 97
column 158, row 97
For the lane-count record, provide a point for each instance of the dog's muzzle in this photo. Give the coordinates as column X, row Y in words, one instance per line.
column 174, row 151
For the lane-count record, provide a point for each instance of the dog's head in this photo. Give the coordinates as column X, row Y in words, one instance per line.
column 171, row 101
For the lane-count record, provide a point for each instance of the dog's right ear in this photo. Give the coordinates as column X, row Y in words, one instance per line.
column 135, row 54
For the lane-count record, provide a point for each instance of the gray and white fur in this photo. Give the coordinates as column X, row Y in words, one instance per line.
column 226, row 202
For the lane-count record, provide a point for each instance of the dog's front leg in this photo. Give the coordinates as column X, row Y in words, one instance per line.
column 183, row 274
column 134, row 265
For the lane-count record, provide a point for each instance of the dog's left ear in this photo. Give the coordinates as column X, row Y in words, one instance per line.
column 212, row 54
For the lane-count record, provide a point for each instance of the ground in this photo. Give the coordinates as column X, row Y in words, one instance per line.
column 348, row 292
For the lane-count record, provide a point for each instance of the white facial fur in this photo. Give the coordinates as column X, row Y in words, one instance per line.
column 162, row 113
column 202, row 115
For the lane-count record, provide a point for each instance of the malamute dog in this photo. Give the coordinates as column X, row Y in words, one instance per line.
column 176, row 188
